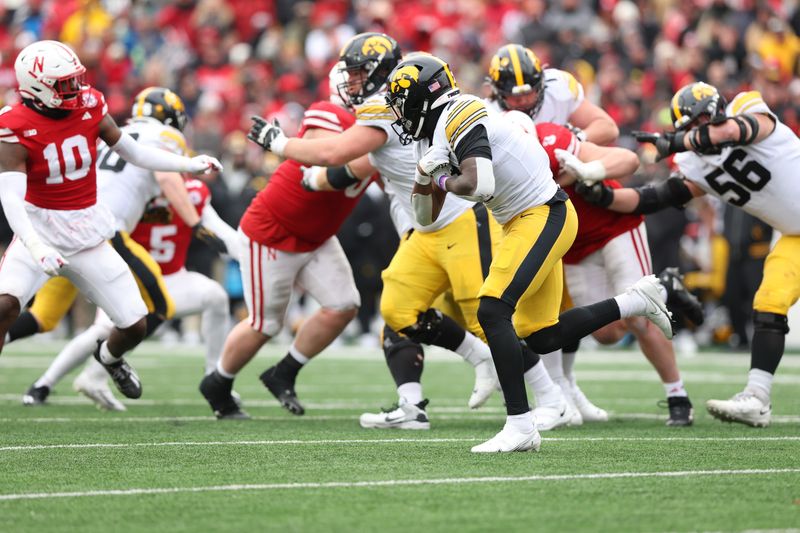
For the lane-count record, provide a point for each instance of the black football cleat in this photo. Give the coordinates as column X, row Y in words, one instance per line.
column 283, row 390
column 217, row 392
column 122, row 374
column 679, row 297
column 681, row 413
column 36, row 395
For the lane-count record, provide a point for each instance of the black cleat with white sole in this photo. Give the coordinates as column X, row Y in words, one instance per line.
column 679, row 297
column 122, row 374
column 681, row 412
column 283, row 390
column 36, row 395
column 218, row 393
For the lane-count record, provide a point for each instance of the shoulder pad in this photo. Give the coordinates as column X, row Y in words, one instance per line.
column 463, row 114
column 562, row 85
column 747, row 102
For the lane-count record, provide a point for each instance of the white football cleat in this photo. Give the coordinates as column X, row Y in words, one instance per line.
column 649, row 288
column 589, row 411
column 744, row 408
column 510, row 440
column 402, row 415
column 98, row 391
column 485, row 384
column 548, row 417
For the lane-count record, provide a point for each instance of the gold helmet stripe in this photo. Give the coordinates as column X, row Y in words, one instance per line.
column 676, row 109
column 140, row 102
column 512, row 52
column 446, row 70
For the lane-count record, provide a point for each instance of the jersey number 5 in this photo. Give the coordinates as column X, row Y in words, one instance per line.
column 750, row 176
column 71, row 170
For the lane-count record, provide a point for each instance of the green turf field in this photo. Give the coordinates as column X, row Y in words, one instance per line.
column 167, row 465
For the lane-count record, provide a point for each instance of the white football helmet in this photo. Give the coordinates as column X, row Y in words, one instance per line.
column 51, row 73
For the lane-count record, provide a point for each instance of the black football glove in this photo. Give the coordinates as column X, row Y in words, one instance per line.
column 209, row 238
column 597, row 193
column 666, row 143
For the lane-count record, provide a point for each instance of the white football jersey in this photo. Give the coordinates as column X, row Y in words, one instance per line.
column 761, row 178
column 562, row 96
column 125, row 188
column 397, row 164
column 521, row 167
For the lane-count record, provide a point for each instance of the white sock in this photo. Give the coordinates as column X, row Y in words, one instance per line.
column 759, row 382
column 568, row 362
column 95, row 370
column 7, row 338
column 473, row 350
column 105, row 355
column 545, row 391
column 522, row 423
column 73, row 354
column 675, row 389
column 630, row 304
column 222, row 372
column 214, row 324
column 411, row 392
column 554, row 364
column 297, row 355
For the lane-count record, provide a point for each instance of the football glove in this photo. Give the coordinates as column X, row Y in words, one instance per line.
column 209, row 238
column 203, row 164
column 596, row 193
column 46, row 257
column 666, row 143
column 268, row 136
column 577, row 132
column 435, row 163
column 311, row 178
column 588, row 173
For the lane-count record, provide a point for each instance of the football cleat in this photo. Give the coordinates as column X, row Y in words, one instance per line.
column 510, row 440
column 744, row 408
column 648, row 288
column 122, row 374
column 681, row 412
column 589, row 412
column 552, row 417
column 679, row 297
column 217, row 392
column 98, row 391
column 36, row 395
column 283, row 390
column 485, row 384
column 402, row 415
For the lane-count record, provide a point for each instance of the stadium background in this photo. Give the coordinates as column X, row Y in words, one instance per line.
column 231, row 59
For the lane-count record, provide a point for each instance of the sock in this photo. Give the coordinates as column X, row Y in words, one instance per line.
column 545, row 391
column 567, row 364
column 290, row 365
column 675, row 389
column 214, row 325
column 767, row 349
column 24, row 326
column 573, row 325
column 529, row 357
column 759, row 382
column 7, row 339
column 411, row 392
column 473, row 350
column 73, row 354
column 522, row 422
column 554, row 364
column 450, row 335
column 105, row 355
column 630, row 304
column 152, row 321
column 224, row 373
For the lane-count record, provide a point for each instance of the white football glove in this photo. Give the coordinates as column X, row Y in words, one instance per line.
column 435, row 162
column 48, row 258
column 312, row 177
column 203, row 164
column 267, row 136
column 588, row 173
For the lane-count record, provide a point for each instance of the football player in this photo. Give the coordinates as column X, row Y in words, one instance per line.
column 452, row 254
column 739, row 152
column 157, row 119
column 467, row 151
column 287, row 238
column 49, row 195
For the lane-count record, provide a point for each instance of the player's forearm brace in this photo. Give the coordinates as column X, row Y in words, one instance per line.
column 670, row 193
column 12, row 195
column 150, row 157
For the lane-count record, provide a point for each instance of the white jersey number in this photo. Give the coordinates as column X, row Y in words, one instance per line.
column 161, row 250
column 749, row 176
column 71, row 170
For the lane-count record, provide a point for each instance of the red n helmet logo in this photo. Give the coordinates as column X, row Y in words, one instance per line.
column 38, row 63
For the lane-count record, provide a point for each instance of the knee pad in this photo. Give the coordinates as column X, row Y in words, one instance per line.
column 571, row 347
column 771, row 322
column 393, row 343
column 492, row 311
column 427, row 328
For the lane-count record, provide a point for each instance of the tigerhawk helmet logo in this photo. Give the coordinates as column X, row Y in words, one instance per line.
column 495, row 66
column 174, row 100
column 376, row 45
column 403, row 78
column 701, row 90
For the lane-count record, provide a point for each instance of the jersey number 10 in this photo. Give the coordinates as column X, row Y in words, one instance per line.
column 71, row 170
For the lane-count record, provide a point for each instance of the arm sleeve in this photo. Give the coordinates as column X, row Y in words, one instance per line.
column 474, row 144
column 149, row 157
column 12, row 195
column 212, row 221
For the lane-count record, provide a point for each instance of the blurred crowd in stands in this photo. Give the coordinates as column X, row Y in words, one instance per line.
column 230, row 59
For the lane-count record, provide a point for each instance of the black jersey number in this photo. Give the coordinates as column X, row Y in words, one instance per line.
column 111, row 159
column 749, row 176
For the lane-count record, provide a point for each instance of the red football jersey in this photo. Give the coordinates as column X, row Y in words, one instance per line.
column 61, row 152
column 596, row 225
column 285, row 216
column 164, row 234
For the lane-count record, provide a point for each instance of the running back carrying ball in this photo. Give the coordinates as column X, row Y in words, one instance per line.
column 432, row 173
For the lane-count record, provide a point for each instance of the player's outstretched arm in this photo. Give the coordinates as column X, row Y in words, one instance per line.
column 152, row 158
column 674, row 192
column 13, row 185
column 596, row 163
column 597, row 125
column 213, row 222
column 337, row 178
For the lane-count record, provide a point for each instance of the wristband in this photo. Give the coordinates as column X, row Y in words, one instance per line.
column 278, row 145
column 441, row 181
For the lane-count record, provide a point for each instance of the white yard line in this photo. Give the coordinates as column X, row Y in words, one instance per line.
column 316, row 442
column 396, row 483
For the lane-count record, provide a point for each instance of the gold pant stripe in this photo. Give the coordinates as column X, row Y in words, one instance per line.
column 147, row 273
